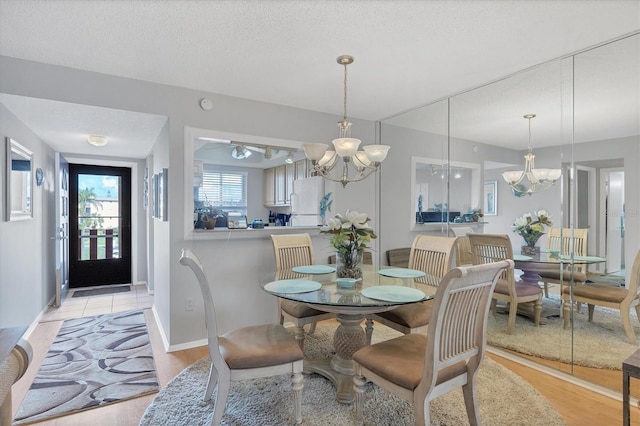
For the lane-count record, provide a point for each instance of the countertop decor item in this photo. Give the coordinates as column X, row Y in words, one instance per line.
column 351, row 233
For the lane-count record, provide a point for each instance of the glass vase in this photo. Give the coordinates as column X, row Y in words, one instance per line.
column 348, row 265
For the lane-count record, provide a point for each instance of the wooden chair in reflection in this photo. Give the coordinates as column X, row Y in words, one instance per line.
column 434, row 256
column 292, row 250
column 489, row 248
column 464, row 256
column 560, row 239
column 417, row 367
column 608, row 296
column 246, row 353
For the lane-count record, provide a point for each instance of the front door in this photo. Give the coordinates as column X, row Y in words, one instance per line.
column 100, row 225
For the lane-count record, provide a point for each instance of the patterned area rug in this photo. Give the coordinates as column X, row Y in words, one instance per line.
column 599, row 344
column 93, row 361
column 504, row 398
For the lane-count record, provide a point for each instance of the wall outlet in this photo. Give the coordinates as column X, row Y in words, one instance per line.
column 188, row 304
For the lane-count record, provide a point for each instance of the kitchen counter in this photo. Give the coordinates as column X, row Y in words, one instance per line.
column 226, row 233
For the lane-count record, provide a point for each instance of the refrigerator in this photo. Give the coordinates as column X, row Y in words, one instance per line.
column 305, row 201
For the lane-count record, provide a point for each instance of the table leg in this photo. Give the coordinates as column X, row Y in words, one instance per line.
column 626, row 420
column 528, row 309
column 347, row 339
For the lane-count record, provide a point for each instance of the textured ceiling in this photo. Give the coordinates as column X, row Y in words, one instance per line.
column 407, row 53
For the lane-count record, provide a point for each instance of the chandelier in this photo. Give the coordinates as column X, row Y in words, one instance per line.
column 356, row 165
column 539, row 179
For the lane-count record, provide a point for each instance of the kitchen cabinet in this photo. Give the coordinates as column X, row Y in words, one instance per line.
column 290, row 176
column 270, row 187
column 301, row 169
column 281, row 185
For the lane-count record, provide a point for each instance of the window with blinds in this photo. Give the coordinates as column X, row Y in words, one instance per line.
column 225, row 190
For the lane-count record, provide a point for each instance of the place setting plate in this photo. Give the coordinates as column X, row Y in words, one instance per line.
column 393, row 293
column 401, row 273
column 314, row 269
column 292, row 286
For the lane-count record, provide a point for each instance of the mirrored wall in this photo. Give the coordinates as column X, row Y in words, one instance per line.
column 587, row 127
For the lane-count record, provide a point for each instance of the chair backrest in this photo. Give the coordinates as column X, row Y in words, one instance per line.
column 560, row 239
column 292, row 250
column 458, row 322
column 489, row 248
column 432, row 255
column 634, row 279
column 189, row 259
column 399, row 257
column 462, row 231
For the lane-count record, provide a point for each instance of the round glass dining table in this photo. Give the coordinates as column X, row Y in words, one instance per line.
column 378, row 290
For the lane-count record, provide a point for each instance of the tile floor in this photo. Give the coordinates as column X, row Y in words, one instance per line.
column 75, row 307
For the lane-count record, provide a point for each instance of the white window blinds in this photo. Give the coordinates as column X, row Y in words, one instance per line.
column 226, row 190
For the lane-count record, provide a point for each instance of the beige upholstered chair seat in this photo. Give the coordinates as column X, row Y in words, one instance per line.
column 603, row 292
column 298, row 310
column 410, row 316
column 258, row 346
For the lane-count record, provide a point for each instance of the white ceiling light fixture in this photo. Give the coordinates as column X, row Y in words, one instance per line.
column 289, row 159
column 539, row 179
column 240, row 152
column 97, row 140
column 364, row 162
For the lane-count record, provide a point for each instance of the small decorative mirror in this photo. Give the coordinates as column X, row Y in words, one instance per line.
column 19, row 181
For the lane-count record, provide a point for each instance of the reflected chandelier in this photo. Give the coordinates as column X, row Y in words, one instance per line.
column 363, row 162
column 539, row 179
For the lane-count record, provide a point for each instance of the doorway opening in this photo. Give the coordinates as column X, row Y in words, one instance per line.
column 100, row 225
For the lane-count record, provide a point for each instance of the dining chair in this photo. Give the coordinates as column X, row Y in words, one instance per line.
column 292, row 250
column 607, row 296
column 419, row 368
column 434, row 256
column 489, row 248
column 246, row 353
column 463, row 247
column 560, row 239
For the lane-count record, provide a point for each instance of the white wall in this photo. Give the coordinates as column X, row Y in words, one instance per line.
column 27, row 271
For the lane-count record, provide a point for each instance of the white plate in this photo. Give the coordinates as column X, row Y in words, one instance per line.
column 522, row 257
column 393, row 293
column 401, row 273
column 313, row 269
column 292, row 286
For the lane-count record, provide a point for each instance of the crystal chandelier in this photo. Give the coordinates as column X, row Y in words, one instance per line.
column 539, row 179
column 362, row 163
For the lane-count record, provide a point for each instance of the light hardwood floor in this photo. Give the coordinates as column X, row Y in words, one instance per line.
column 577, row 405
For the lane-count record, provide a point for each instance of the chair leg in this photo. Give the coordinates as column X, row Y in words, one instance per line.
column 537, row 310
column 213, row 377
column 546, row 290
column 513, row 311
column 471, row 400
column 421, row 413
column 590, row 309
column 494, row 304
column 369, row 330
column 296, row 386
column 300, row 336
column 224, row 383
column 312, row 327
column 359, row 388
column 565, row 313
column 626, row 323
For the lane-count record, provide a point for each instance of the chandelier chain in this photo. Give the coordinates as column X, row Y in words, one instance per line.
column 345, row 92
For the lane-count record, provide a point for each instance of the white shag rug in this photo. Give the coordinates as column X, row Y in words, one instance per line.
column 599, row 344
column 504, row 398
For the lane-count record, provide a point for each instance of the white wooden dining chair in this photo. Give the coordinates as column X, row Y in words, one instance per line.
column 434, row 256
column 292, row 250
column 418, row 368
column 608, row 296
column 561, row 240
column 246, row 353
column 488, row 248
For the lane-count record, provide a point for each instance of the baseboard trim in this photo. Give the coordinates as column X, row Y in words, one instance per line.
column 562, row 376
column 165, row 341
